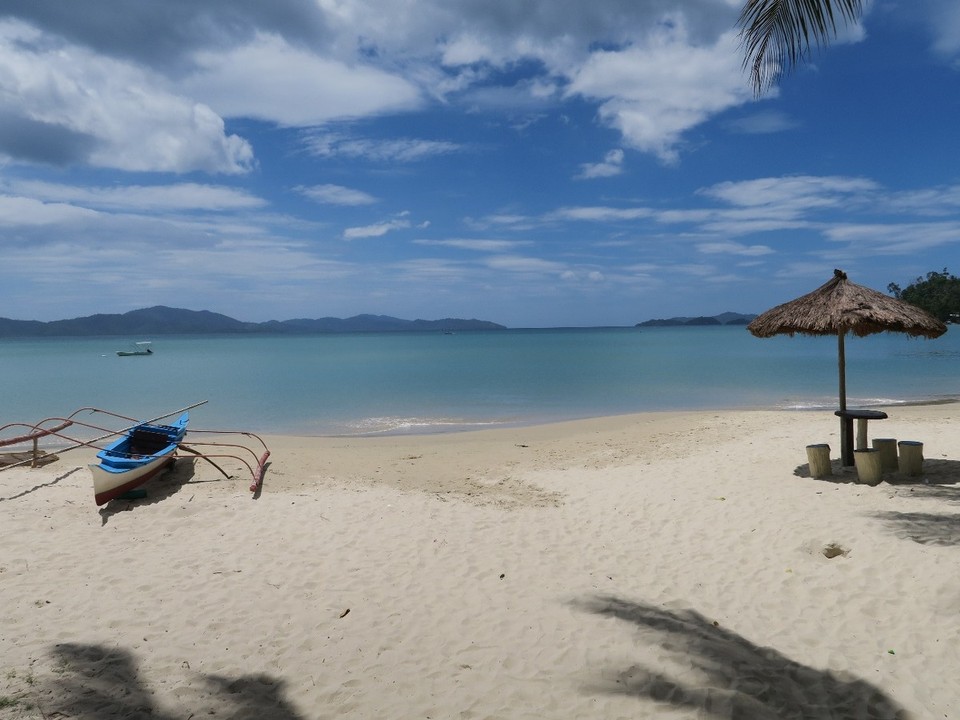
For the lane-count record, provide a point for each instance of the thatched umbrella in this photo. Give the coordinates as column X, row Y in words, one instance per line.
column 838, row 307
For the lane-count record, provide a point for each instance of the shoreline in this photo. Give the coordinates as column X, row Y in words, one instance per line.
column 625, row 418
column 651, row 565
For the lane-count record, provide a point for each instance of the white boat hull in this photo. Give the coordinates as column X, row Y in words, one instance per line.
column 108, row 485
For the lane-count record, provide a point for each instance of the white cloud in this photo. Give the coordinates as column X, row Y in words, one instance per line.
column 337, row 195
column 945, row 26
column 478, row 245
column 21, row 211
column 180, row 196
column 270, row 80
column 929, row 201
column 894, row 239
column 375, row 230
column 507, row 219
column 793, row 194
column 520, row 264
column 599, row 214
column 159, row 105
column 125, row 117
column 733, row 248
column 328, row 144
column 658, row 88
column 611, row 166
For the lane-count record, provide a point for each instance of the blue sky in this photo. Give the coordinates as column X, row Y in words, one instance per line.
column 541, row 163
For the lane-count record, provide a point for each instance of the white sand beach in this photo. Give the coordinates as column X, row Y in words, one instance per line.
column 663, row 565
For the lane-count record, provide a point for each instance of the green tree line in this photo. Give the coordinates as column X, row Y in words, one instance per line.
column 938, row 293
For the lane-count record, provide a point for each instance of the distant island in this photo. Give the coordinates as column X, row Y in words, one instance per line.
column 161, row 320
column 727, row 318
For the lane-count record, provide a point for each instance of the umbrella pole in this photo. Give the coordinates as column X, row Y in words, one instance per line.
column 842, row 362
column 846, row 424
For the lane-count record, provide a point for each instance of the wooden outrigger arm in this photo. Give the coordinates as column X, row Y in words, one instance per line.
column 256, row 466
column 199, row 454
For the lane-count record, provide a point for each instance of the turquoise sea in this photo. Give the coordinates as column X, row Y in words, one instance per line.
column 354, row 384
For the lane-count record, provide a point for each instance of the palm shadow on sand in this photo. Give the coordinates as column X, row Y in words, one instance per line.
column 939, row 480
column 95, row 682
column 734, row 678
column 925, row 528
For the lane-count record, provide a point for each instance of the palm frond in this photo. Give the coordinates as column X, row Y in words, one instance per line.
column 778, row 34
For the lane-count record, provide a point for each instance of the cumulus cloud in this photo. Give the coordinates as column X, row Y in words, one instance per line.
column 164, row 35
column 110, row 113
column 271, row 80
column 662, row 86
column 654, row 70
column 153, row 95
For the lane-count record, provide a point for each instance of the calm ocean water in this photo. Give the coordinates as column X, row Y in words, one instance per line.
column 431, row 382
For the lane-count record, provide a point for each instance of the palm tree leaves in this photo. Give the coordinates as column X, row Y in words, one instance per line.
column 777, row 34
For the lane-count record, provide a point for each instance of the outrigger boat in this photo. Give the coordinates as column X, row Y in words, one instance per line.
column 142, row 450
column 140, row 348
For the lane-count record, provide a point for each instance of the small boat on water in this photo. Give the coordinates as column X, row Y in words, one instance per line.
column 142, row 452
column 140, row 348
column 139, row 451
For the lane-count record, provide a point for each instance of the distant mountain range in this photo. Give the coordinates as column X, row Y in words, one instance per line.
column 162, row 320
column 727, row 318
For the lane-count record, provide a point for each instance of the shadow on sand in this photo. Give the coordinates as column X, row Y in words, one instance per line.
column 157, row 489
column 924, row 528
column 940, row 480
column 95, row 682
column 936, row 472
column 40, row 486
column 734, row 677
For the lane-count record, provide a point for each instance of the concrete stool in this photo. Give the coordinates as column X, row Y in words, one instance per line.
column 818, row 457
column 888, row 453
column 911, row 457
column 868, row 466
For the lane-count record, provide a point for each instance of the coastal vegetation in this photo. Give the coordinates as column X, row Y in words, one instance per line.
column 938, row 293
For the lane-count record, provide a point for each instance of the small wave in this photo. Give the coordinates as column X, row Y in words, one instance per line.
column 415, row 425
column 866, row 403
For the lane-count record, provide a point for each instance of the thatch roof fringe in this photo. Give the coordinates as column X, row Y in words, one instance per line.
column 842, row 306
